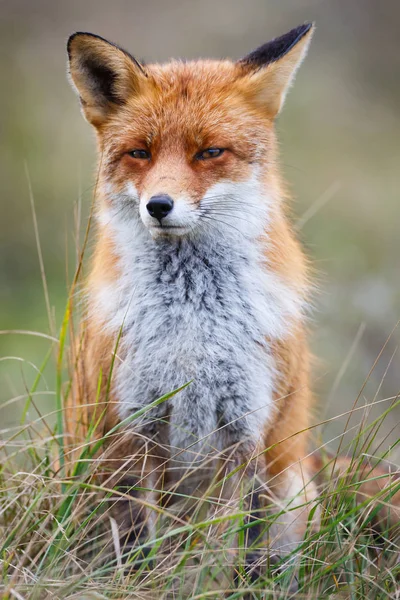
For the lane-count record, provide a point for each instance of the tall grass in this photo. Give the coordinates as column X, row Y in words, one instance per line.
column 58, row 538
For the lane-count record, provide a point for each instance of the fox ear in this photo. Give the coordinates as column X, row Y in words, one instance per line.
column 269, row 71
column 103, row 74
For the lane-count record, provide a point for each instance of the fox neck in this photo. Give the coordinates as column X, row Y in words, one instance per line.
column 207, row 267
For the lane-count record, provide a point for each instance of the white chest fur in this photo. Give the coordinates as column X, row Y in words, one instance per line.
column 199, row 310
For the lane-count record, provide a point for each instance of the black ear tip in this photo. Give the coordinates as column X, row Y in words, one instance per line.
column 93, row 36
column 297, row 33
column 307, row 26
column 82, row 34
column 276, row 48
column 72, row 37
column 70, row 40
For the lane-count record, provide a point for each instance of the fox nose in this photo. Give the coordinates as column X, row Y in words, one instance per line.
column 160, row 206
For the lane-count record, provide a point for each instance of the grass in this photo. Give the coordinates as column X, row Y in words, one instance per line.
column 59, row 540
column 58, row 537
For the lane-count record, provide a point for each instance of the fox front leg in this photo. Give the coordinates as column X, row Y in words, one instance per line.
column 137, row 481
column 292, row 496
column 134, row 519
column 253, row 527
column 243, row 476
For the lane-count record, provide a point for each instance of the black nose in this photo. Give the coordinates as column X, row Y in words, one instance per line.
column 160, row 206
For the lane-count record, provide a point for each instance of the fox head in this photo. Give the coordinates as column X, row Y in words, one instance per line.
column 186, row 146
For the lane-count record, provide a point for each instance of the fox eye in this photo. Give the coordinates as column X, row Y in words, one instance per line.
column 140, row 154
column 209, row 153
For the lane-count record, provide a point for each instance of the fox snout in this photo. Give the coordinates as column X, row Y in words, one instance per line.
column 160, row 206
column 164, row 213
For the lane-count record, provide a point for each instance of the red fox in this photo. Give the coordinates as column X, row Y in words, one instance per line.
column 197, row 278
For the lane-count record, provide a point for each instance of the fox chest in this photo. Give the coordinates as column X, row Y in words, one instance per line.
column 198, row 318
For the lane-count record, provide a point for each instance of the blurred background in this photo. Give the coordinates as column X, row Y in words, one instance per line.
column 339, row 132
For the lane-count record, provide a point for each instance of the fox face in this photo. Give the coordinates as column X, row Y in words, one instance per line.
column 179, row 156
column 186, row 146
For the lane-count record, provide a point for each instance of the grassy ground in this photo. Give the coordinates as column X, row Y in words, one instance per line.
column 58, row 539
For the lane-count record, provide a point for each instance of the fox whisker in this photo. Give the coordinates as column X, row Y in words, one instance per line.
column 242, row 208
column 217, row 213
column 227, row 199
column 212, row 219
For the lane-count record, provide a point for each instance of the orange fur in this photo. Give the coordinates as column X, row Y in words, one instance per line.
column 196, row 127
column 175, row 110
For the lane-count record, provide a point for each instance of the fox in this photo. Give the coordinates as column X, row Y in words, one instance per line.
column 198, row 290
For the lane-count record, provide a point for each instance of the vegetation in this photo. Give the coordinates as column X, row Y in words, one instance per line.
column 59, row 540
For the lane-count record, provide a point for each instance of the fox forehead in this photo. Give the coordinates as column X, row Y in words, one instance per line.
column 190, row 75
column 199, row 103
